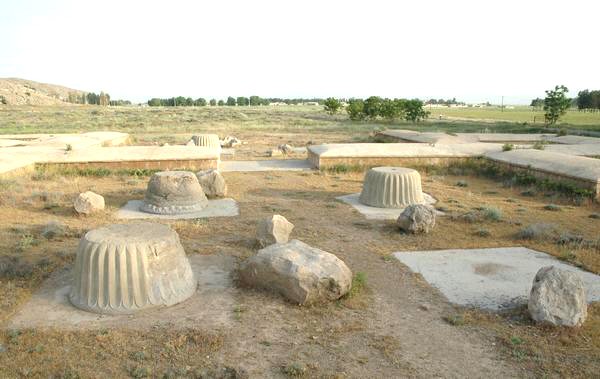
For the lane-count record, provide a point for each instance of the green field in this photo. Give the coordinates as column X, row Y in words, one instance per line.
column 284, row 119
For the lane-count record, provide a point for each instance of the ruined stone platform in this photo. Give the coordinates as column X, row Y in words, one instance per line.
column 579, row 171
column 395, row 154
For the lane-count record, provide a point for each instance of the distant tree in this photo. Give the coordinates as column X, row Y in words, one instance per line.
column 372, row 107
column 231, row 101
column 155, row 102
column 414, row 111
column 356, row 109
column 256, row 101
column 392, row 109
column 221, row 103
column 242, row 101
column 556, row 104
column 332, row 105
column 200, row 102
column 103, row 99
column 537, row 103
column 212, row 102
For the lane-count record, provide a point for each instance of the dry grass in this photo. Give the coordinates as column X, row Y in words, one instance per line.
column 279, row 332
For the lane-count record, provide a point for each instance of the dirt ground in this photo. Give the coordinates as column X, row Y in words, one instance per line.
column 395, row 325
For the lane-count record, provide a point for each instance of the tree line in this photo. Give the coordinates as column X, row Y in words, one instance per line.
column 376, row 107
column 588, row 100
column 240, row 101
column 93, row 98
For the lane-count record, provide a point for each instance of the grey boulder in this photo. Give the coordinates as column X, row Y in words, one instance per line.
column 417, row 218
column 212, row 183
column 301, row 273
column 557, row 297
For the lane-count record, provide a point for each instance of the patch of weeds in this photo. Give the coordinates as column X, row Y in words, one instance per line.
column 508, row 147
column 69, row 147
column 387, row 258
column 539, row 145
column 344, row 168
column 138, row 356
column 510, row 200
column 294, row 369
column 362, row 224
column 237, row 312
column 13, row 267
column 139, row 372
column 516, row 340
column 595, row 216
column 492, row 214
column 455, row 319
column 359, row 282
column 26, row 242
column 483, row 232
column 54, row 229
column 569, row 238
column 567, row 255
column 462, row 183
column 538, row 232
column 521, row 210
column 331, row 205
column 552, row 207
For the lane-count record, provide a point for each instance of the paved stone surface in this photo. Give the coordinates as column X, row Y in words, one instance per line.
column 440, row 137
column 138, row 153
column 573, row 140
column 266, row 165
column 493, row 278
column 393, row 150
column 374, row 213
column 215, row 208
column 210, row 306
column 548, row 161
column 581, row 149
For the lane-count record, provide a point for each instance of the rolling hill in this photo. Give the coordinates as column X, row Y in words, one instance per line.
column 14, row 91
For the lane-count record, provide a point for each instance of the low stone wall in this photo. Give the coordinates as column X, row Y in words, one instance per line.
column 324, row 163
column 171, row 164
column 559, row 178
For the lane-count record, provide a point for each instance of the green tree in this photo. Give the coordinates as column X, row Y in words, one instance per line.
column 392, row 109
column 155, row 102
column 200, row 102
column 332, row 105
column 230, row 101
column 242, row 101
column 213, row 102
column 220, row 103
column 372, row 107
column 556, row 104
column 255, row 101
column 356, row 109
column 414, row 111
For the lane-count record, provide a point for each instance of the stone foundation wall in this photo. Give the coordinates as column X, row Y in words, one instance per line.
column 171, row 164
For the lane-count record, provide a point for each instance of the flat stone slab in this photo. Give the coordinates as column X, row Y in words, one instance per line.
column 139, row 153
column 581, row 149
column 582, row 168
column 574, row 140
column 215, row 208
column 209, row 306
column 266, row 165
column 494, row 279
column 440, row 137
column 402, row 150
column 374, row 213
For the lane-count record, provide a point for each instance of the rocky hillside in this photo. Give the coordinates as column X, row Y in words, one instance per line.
column 15, row 91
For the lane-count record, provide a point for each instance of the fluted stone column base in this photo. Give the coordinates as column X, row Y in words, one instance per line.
column 391, row 187
column 122, row 269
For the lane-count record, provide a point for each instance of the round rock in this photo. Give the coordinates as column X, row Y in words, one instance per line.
column 174, row 192
column 391, row 187
column 122, row 269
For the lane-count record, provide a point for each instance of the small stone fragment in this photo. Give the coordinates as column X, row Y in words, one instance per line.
column 417, row 218
column 275, row 229
column 88, row 202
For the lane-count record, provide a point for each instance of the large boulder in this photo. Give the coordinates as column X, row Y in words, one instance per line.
column 275, row 229
column 88, row 202
column 212, row 183
column 417, row 218
column 301, row 273
column 557, row 297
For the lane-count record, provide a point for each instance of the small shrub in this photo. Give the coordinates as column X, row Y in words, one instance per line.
column 462, row 183
column 529, row 192
column 552, row 207
column 538, row 232
column 562, row 132
column 492, row 214
column 69, row 147
column 294, row 369
column 344, row 168
column 539, row 145
column 595, row 215
column 483, row 232
column 359, row 282
column 455, row 319
column 508, row 147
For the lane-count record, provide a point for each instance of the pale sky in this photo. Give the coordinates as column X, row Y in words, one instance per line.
column 471, row 50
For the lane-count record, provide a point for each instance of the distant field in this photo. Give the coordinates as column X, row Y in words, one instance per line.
column 146, row 122
column 518, row 114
